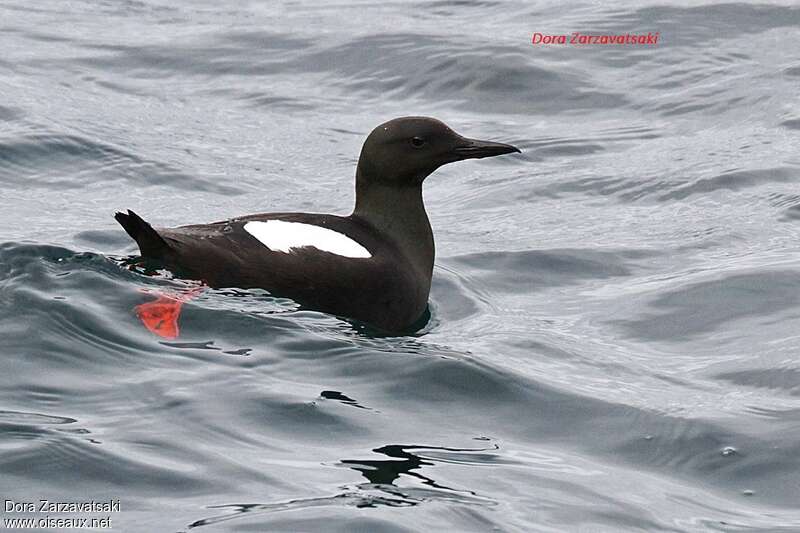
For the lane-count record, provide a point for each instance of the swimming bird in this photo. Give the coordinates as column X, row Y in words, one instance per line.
column 374, row 265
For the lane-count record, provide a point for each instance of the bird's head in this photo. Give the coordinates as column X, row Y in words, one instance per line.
column 404, row 151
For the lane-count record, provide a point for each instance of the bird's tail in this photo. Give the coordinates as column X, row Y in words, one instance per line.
column 151, row 244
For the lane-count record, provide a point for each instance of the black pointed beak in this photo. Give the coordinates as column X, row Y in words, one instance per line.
column 475, row 149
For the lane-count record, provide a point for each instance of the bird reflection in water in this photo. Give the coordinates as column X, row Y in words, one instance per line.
column 381, row 476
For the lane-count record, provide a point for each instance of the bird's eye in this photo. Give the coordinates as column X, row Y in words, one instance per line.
column 417, row 142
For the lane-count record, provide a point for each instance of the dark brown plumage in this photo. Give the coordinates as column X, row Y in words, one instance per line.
column 388, row 290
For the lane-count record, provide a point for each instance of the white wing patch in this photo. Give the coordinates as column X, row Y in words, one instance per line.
column 282, row 236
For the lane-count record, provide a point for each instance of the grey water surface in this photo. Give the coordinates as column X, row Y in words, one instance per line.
column 615, row 333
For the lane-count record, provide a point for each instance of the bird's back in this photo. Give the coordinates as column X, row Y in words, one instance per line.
column 374, row 282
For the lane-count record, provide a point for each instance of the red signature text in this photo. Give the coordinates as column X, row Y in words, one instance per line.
column 578, row 38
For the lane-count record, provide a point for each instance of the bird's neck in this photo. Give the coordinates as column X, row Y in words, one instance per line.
column 399, row 213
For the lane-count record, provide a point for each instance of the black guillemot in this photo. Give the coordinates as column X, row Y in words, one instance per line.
column 374, row 265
